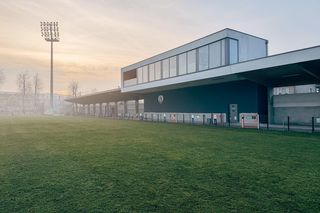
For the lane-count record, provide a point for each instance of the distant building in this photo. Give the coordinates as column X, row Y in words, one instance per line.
column 11, row 103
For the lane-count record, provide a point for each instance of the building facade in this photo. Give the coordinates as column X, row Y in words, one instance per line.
column 227, row 73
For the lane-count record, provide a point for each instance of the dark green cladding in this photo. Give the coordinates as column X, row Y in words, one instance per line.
column 216, row 98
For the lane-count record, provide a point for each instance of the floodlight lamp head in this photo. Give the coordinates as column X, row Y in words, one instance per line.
column 50, row 31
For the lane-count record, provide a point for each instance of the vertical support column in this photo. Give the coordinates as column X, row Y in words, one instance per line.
column 83, row 111
column 100, row 110
column 125, row 106
column 203, row 119
column 94, row 109
column 312, row 125
column 116, row 109
column 137, row 107
column 106, row 110
column 88, row 110
column 270, row 106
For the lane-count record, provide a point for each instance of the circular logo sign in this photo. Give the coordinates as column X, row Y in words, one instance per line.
column 160, row 99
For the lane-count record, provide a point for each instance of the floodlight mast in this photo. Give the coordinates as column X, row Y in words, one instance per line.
column 50, row 32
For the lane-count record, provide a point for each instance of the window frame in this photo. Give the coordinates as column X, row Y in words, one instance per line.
column 224, row 61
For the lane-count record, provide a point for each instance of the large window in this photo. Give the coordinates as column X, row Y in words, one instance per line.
column 165, row 68
column 145, row 74
column 139, row 71
column 151, row 72
column 223, row 52
column 215, row 54
column 191, row 55
column 158, row 70
column 182, row 64
column 173, row 66
column 233, row 51
column 203, row 58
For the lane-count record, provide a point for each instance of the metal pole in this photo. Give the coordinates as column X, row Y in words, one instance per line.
column 288, row 123
column 312, row 125
column 51, row 77
column 50, row 32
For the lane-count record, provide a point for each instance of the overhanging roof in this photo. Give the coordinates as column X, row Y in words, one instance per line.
column 113, row 95
column 292, row 68
column 286, row 75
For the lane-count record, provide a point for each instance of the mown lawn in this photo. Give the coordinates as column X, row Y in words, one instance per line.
column 62, row 164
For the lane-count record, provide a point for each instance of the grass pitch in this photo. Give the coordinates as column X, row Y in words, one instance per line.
column 97, row 165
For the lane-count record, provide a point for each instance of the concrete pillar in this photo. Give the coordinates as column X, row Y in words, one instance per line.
column 270, row 106
column 137, row 107
column 94, row 109
column 88, row 109
column 83, row 108
column 108, row 109
column 116, row 109
column 100, row 110
column 125, row 106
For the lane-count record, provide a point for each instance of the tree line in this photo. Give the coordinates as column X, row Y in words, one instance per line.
column 26, row 86
column 32, row 86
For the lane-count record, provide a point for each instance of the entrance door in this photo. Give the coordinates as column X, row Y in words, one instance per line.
column 233, row 112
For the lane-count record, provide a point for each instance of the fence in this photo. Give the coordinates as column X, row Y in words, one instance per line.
column 222, row 119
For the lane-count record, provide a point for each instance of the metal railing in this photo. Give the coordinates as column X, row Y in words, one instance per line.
column 216, row 119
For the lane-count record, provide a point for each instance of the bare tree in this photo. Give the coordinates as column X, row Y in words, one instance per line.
column 24, row 86
column 2, row 78
column 37, row 87
column 74, row 87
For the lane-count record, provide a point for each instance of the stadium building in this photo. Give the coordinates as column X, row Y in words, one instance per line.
column 223, row 74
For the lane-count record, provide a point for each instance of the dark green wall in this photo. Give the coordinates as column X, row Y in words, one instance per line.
column 249, row 96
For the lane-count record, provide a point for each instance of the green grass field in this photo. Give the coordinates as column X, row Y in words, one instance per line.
column 94, row 165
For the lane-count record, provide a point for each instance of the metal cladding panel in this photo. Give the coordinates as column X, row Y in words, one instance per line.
column 250, row 47
column 209, row 98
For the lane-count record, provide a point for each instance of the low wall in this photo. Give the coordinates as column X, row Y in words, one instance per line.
column 299, row 107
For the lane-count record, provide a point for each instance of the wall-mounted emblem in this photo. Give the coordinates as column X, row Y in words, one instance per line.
column 160, row 99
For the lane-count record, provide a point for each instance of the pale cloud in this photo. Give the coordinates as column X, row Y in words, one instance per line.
column 99, row 37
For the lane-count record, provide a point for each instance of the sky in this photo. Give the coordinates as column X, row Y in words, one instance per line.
column 98, row 37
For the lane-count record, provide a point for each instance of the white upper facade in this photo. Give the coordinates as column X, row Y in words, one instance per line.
column 219, row 49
